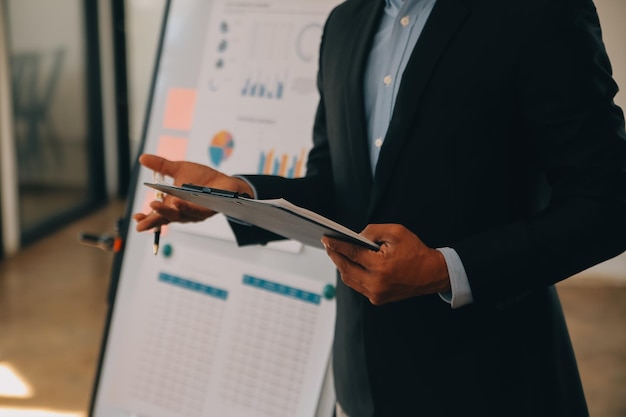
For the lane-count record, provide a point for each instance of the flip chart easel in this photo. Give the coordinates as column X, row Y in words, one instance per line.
column 206, row 328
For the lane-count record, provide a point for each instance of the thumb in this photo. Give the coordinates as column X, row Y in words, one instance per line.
column 376, row 232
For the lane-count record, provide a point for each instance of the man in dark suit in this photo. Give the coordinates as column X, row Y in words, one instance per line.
column 478, row 141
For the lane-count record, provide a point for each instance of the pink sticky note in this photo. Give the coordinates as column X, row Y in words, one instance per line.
column 179, row 109
column 172, row 147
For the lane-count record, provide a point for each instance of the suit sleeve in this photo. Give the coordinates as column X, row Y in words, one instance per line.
column 575, row 136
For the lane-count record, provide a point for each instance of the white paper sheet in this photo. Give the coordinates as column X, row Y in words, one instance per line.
column 223, row 338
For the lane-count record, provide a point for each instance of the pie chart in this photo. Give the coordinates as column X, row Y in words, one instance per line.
column 221, row 147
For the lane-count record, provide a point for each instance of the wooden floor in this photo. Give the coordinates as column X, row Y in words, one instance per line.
column 53, row 307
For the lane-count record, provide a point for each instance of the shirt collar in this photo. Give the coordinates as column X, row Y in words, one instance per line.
column 396, row 4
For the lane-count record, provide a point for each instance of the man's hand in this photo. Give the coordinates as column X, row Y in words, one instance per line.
column 404, row 266
column 173, row 209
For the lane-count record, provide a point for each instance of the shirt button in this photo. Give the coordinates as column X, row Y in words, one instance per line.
column 404, row 21
column 378, row 142
column 387, row 80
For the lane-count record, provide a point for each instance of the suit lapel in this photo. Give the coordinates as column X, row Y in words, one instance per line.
column 445, row 18
column 366, row 18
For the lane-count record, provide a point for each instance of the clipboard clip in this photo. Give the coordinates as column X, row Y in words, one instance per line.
column 213, row 191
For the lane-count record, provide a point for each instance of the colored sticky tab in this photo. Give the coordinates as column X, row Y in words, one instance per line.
column 329, row 292
column 179, row 109
column 168, row 250
column 172, row 147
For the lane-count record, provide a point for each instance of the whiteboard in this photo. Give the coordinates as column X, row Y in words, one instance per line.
column 206, row 328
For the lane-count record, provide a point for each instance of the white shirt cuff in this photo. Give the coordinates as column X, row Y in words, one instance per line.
column 461, row 293
column 254, row 192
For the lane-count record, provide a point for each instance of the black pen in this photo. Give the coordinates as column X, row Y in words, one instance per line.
column 158, row 195
column 157, row 235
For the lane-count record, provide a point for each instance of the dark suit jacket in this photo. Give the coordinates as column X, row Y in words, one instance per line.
column 505, row 145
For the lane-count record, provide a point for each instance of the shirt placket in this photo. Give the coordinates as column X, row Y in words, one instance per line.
column 389, row 87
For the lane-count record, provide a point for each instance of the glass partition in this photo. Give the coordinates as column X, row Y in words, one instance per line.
column 54, row 75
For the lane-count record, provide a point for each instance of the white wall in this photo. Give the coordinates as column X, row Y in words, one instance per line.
column 109, row 116
column 612, row 17
column 143, row 29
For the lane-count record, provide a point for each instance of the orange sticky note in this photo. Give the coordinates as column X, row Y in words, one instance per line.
column 179, row 109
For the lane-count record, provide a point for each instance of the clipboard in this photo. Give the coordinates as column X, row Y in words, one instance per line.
column 277, row 215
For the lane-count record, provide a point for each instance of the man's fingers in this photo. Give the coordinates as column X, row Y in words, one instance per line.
column 351, row 273
column 177, row 210
column 148, row 221
column 139, row 217
column 344, row 264
column 158, row 164
column 355, row 253
column 188, row 212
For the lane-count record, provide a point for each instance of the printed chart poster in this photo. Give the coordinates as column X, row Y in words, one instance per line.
column 257, row 87
column 257, row 93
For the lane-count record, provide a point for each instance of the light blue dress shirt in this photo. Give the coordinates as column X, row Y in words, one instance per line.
column 399, row 31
